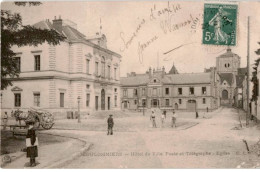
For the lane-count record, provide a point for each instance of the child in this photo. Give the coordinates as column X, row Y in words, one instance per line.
column 110, row 125
column 31, row 144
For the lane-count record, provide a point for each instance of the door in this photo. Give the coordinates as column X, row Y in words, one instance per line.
column 176, row 106
column 103, row 100
column 61, row 99
column 108, row 103
column 191, row 105
column 125, row 104
column 96, row 102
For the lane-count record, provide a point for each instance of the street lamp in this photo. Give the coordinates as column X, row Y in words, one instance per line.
column 78, row 109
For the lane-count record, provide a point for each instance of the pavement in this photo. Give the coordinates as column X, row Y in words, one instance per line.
column 208, row 142
column 52, row 155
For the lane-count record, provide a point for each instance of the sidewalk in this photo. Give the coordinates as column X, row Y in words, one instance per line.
column 52, row 155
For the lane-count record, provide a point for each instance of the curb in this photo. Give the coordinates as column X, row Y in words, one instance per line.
column 20, row 154
column 74, row 156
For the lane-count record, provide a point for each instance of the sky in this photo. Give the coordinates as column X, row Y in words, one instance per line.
column 138, row 31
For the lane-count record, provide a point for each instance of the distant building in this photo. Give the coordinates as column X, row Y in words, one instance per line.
column 258, row 100
column 53, row 77
column 188, row 92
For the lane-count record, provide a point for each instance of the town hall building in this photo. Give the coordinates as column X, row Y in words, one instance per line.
column 55, row 78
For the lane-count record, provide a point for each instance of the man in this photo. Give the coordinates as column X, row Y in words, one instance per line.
column 174, row 117
column 110, row 125
column 197, row 114
column 163, row 118
column 153, row 119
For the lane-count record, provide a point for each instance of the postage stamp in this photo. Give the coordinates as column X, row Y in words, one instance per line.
column 219, row 24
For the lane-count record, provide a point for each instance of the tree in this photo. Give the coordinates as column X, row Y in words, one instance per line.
column 13, row 32
column 255, row 80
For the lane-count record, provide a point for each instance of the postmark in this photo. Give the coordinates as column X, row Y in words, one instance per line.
column 220, row 24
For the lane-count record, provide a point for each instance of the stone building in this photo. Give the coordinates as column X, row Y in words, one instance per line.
column 187, row 92
column 54, row 77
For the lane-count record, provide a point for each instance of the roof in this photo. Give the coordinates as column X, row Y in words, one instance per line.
column 184, row 78
column 72, row 34
column 228, row 53
column 173, row 70
column 242, row 71
column 226, row 77
column 239, row 80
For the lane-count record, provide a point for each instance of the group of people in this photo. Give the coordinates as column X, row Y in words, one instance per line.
column 163, row 119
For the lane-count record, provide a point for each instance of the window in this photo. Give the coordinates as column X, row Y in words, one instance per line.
column 87, row 66
column 17, row 99
column 191, row 90
column 115, row 71
column 204, row 100
column 18, row 63
column 154, row 80
column 36, row 99
column 115, row 101
column 124, row 93
column 204, row 90
column 103, row 67
column 135, row 92
column 167, row 102
column 115, row 90
column 135, row 102
column 108, row 72
column 87, row 86
column 180, row 101
column 155, row 91
column 180, row 91
column 144, row 102
column 37, row 62
column 143, row 91
column 87, row 100
column 61, row 99
column 167, row 91
column 96, row 69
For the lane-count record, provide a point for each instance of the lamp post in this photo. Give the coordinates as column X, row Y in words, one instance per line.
column 78, row 109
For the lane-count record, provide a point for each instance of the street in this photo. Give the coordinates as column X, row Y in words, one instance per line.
column 210, row 144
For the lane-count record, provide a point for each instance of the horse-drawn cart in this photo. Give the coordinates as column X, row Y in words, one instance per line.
column 39, row 117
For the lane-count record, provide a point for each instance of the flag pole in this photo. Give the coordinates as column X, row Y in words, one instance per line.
column 248, row 71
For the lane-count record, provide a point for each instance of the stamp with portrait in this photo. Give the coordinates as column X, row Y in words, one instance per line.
column 219, row 24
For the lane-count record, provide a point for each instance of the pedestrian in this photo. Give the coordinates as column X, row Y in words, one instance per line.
column 110, row 125
column 162, row 119
column 207, row 109
column 153, row 119
column 31, row 144
column 5, row 120
column 174, row 117
column 164, row 112
column 197, row 114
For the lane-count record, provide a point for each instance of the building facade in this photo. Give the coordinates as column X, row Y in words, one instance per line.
column 58, row 78
column 158, row 89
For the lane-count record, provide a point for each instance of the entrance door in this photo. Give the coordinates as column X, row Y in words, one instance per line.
column 108, row 103
column 103, row 100
column 191, row 105
column 96, row 102
column 125, row 104
column 155, row 103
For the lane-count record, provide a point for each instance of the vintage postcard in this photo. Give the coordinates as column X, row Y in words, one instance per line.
column 130, row 84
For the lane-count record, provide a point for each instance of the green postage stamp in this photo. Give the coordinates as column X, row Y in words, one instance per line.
column 220, row 22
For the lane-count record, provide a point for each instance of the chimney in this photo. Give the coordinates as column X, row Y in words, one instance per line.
column 57, row 24
column 163, row 72
column 150, row 72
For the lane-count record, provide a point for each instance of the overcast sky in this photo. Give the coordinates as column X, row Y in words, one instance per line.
column 120, row 21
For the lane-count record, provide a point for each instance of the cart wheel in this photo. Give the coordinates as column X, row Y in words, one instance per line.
column 47, row 126
column 37, row 123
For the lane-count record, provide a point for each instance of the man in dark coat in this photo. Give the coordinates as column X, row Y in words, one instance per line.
column 32, row 150
column 110, row 125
